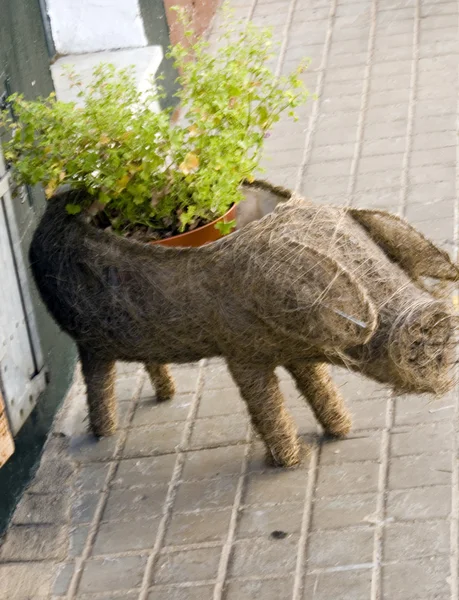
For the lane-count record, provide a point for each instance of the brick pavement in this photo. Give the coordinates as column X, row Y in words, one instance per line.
column 179, row 505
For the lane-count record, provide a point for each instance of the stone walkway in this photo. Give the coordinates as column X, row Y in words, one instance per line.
column 179, row 505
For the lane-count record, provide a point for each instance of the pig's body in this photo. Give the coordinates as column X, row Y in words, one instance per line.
column 304, row 286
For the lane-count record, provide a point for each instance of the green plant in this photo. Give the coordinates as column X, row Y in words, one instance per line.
column 143, row 172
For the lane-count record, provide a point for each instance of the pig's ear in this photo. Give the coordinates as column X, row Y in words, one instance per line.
column 406, row 246
column 306, row 295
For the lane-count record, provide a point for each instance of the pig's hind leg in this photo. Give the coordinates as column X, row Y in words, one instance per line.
column 161, row 380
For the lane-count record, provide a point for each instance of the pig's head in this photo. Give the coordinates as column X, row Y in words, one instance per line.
column 413, row 352
column 412, row 347
column 319, row 295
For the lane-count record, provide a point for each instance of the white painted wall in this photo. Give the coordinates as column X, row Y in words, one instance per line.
column 81, row 26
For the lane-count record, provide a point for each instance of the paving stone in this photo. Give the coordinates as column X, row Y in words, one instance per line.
column 416, row 579
column 390, row 52
column 433, row 438
column 52, row 474
column 275, row 486
column 144, row 471
column 115, row 595
column 381, row 130
column 63, row 578
column 370, row 414
column 198, row 527
column 420, row 470
column 205, row 592
column 365, row 447
column 28, row 580
column 304, row 420
column 352, row 585
column 379, row 180
column 443, row 190
column 417, row 213
column 123, row 536
column 187, row 565
column 185, row 380
column 419, row 503
column 435, row 8
column 216, row 462
column 331, row 168
column 92, row 477
column 340, row 547
column 34, row 543
column 431, row 173
column 77, row 539
column 124, row 369
column 42, row 508
column 382, row 162
column 262, row 521
column 412, row 410
column 217, row 377
column 125, row 387
column 347, row 478
column 343, row 511
column 331, row 103
column 416, row 540
column 216, row 431
column 429, row 122
column 221, row 402
column 322, row 154
column 343, row 135
column 150, row 413
column 141, row 503
column 291, row 394
column 86, row 448
column 261, row 557
column 270, row 589
column 426, row 108
column 324, row 187
column 162, row 439
column 356, row 387
column 83, row 508
column 116, row 573
column 207, row 494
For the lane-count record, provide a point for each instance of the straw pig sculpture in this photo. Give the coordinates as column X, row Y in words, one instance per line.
column 304, row 286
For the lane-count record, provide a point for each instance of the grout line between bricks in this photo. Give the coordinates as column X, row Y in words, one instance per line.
column 404, row 183
column 363, row 105
column 300, row 569
column 454, row 532
column 314, row 117
column 228, row 545
column 173, row 486
column 283, row 48
column 94, row 526
column 376, row 584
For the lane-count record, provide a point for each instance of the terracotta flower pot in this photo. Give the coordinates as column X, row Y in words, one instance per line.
column 201, row 235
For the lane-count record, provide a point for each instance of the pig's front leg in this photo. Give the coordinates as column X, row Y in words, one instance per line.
column 259, row 388
column 100, row 377
column 161, row 380
column 315, row 384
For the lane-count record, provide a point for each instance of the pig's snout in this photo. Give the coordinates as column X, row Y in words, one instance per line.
column 421, row 348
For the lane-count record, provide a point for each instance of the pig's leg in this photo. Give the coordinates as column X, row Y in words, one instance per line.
column 260, row 389
column 100, row 377
column 315, row 384
column 161, row 380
